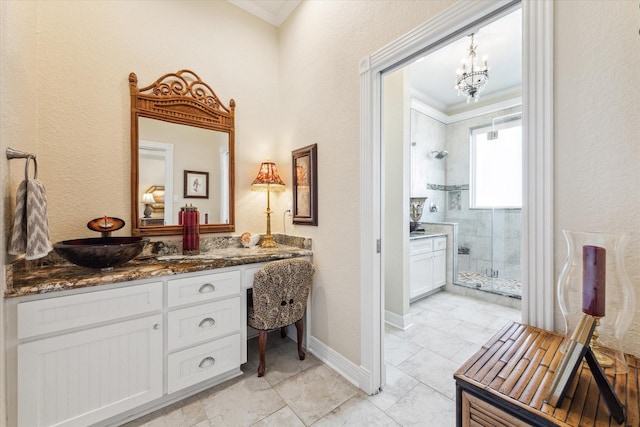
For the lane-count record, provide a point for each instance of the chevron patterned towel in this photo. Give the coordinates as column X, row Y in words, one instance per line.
column 30, row 234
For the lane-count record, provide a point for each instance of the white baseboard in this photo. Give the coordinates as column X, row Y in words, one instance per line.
column 397, row 321
column 353, row 373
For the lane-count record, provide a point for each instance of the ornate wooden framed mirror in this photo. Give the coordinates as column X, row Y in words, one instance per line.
column 182, row 153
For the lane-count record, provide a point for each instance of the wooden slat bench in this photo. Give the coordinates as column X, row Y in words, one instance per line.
column 506, row 381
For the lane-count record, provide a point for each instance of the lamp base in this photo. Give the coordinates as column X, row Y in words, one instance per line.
column 268, row 242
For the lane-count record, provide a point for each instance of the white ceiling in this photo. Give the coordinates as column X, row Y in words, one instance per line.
column 433, row 77
column 273, row 11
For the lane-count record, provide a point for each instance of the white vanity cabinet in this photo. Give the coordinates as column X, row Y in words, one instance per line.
column 75, row 370
column 104, row 355
column 427, row 265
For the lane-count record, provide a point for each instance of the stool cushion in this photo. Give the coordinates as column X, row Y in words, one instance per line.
column 280, row 293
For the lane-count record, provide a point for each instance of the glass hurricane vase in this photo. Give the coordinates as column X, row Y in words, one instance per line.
column 619, row 305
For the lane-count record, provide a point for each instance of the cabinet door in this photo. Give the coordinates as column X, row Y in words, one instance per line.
column 439, row 268
column 420, row 274
column 84, row 377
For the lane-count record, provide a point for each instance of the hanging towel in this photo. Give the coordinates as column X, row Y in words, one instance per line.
column 30, row 234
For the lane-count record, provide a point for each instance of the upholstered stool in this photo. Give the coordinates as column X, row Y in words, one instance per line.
column 280, row 293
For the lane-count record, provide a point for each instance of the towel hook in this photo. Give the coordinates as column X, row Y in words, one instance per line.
column 16, row 154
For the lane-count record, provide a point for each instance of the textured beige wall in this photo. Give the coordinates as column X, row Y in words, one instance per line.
column 321, row 45
column 86, row 51
column 597, row 127
column 18, row 103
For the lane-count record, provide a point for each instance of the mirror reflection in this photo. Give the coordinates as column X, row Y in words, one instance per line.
column 182, row 154
column 182, row 165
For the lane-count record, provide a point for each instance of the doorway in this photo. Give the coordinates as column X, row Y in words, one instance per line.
column 458, row 21
column 436, row 151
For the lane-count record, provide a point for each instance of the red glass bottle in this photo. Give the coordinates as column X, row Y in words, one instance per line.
column 191, row 231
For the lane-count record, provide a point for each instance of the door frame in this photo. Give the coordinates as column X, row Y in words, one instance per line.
column 537, row 212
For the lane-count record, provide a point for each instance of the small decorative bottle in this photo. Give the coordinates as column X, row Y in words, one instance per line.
column 190, row 231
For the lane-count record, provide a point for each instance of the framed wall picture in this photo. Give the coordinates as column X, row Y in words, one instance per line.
column 304, row 162
column 196, row 185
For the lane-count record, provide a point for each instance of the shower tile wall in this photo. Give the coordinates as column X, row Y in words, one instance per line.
column 428, row 134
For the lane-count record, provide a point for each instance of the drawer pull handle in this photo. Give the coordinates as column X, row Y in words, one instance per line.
column 207, row 362
column 206, row 288
column 156, row 326
column 207, row 323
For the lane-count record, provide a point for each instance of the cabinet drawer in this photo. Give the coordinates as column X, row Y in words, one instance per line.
column 203, row 322
column 439, row 243
column 418, row 246
column 66, row 312
column 202, row 362
column 478, row 413
column 203, row 288
column 249, row 274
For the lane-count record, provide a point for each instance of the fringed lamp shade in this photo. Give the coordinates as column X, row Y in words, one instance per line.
column 268, row 180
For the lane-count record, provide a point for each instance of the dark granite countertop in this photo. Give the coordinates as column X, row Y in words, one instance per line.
column 52, row 273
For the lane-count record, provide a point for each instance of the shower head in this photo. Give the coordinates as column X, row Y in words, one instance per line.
column 439, row 154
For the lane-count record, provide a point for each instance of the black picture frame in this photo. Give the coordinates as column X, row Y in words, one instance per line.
column 575, row 351
column 196, row 185
column 304, row 162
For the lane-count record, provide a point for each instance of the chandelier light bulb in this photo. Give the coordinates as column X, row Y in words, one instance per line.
column 472, row 78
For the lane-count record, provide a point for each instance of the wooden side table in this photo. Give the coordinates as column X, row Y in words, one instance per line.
column 505, row 383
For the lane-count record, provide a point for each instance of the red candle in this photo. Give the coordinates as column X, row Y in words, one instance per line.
column 594, row 260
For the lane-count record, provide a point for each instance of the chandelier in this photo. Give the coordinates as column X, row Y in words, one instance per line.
column 471, row 77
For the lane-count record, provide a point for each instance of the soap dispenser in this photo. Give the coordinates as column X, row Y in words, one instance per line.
column 190, row 231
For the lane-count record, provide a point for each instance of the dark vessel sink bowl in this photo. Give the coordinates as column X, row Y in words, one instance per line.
column 101, row 252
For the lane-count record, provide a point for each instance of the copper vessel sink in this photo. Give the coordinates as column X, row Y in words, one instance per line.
column 100, row 252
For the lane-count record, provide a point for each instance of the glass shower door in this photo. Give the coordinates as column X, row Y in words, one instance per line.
column 504, row 273
column 490, row 230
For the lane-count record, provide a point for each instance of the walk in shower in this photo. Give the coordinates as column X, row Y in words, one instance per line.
column 489, row 220
column 489, row 252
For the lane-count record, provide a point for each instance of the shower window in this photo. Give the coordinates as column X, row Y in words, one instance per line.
column 496, row 166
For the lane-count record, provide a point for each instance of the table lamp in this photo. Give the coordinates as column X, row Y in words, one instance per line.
column 268, row 180
column 148, row 200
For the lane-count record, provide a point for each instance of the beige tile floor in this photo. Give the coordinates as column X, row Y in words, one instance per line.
column 447, row 329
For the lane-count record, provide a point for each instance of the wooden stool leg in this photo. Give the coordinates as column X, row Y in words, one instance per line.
column 283, row 332
column 300, row 330
column 262, row 345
